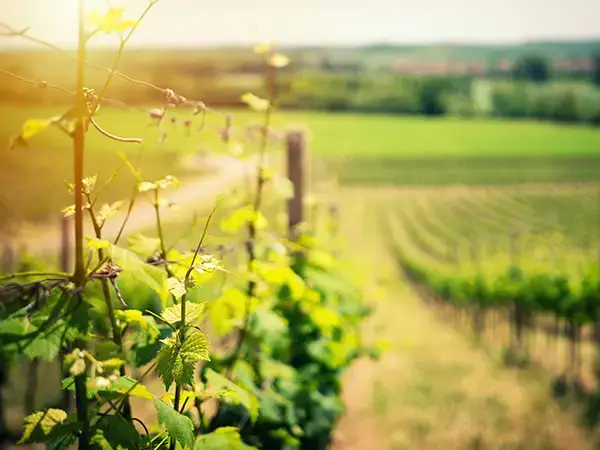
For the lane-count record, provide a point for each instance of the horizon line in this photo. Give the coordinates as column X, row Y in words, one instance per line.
column 375, row 43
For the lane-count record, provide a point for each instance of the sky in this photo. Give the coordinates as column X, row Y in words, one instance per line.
column 317, row 22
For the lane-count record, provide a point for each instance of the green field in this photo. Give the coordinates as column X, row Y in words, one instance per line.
column 359, row 148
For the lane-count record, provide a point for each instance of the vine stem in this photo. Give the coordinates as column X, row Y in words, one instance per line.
column 81, row 401
column 179, row 387
column 260, row 182
column 116, row 332
column 163, row 250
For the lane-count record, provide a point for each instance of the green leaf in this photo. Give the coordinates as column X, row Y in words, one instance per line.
column 144, row 246
column 178, row 364
column 47, row 342
column 97, row 244
column 134, row 317
column 68, row 211
column 62, row 437
column 115, row 433
column 178, row 426
column 193, row 312
column 195, row 348
column 255, row 102
column 216, row 381
column 168, row 362
column 176, row 288
column 89, row 183
column 146, row 186
column 127, row 385
column 39, row 424
column 112, row 21
column 134, row 267
column 15, row 326
column 223, row 438
column 107, row 211
column 227, row 310
column 34, row 126
column 242, row 217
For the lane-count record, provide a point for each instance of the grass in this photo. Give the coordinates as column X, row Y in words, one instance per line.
column 362, row 148
column 434, row 388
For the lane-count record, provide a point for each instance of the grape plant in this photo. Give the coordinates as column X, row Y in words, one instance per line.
column 284, row 325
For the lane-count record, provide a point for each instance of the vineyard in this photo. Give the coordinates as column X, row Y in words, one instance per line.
column 518, row 265
column 286, row 280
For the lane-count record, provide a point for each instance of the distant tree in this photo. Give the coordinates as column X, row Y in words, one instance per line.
column 431, row 95
column 596, row 70
column 532, row 68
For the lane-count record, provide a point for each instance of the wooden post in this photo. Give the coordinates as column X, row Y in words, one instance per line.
column 7, row 265
column 65, row 244
column 296, row 168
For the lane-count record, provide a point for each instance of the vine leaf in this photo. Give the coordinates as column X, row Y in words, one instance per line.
column 127, row 385
column 107, row 211
column 135, row 267
column 168, row 362
column 241, row 217
column 240, row 395
column 227, row 310
column 178, row 426
column 112, row 21
column 194, row 311
column 255, row 102
column 39, row 424
column 35, row 126
column 115, row 433
column 144, row 246
column 177, row 364
column 222, row 438
column 195, row 348
column 177, row 289
column 47, row 342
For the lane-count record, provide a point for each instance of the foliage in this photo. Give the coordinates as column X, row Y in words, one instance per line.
column 596, row 73
column 532, row 67
column 530, row 279
column 292, row 314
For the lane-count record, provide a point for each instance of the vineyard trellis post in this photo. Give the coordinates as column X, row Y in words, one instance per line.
column 296, row 171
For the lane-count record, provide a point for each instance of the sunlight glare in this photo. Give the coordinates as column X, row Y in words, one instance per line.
column 65, row 13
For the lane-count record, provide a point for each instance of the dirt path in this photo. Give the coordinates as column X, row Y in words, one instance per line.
column 200, row 193
column 434, row 389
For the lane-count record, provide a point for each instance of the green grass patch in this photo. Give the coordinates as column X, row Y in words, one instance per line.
column 375, row 149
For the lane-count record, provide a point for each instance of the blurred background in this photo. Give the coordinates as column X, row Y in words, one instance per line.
column 455, row 132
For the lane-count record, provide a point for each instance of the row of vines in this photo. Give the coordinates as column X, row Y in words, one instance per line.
column 250, row 354
column 525, row 260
